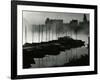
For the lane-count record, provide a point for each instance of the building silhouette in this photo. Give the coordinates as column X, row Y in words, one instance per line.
column 55, row 28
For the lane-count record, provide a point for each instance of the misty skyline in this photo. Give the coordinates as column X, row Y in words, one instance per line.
column 31, row 18
column 39, row 17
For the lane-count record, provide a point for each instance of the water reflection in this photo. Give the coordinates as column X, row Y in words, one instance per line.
column 60, row 59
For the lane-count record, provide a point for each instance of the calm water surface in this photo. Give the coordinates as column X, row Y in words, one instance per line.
column 60, row 59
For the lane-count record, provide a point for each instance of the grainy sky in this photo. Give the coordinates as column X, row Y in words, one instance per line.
column 33, row 17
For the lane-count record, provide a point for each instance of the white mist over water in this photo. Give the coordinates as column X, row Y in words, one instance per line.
column 37, row 37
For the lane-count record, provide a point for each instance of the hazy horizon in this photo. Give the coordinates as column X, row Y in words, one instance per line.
column 37, row 18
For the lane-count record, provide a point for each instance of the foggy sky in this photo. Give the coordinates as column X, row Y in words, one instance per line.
column 37, row 18
column 34, row 17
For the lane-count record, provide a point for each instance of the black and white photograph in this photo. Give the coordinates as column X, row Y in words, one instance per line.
column 55, row 39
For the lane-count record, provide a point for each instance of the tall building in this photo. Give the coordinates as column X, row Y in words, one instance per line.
column 85, row 18
column 54, row 26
